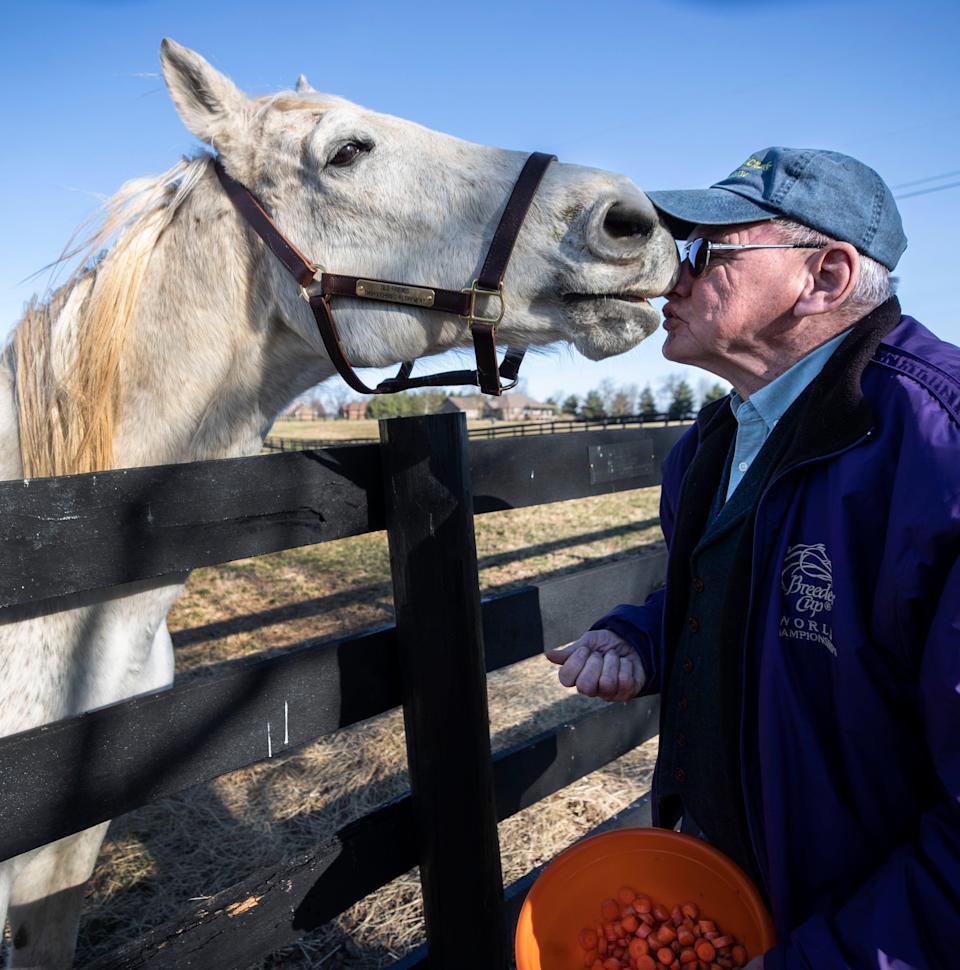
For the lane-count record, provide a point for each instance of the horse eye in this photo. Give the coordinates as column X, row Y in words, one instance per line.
column 347, row 154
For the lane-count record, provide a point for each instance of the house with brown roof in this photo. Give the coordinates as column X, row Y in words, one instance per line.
column 508, row 407
column 519, row 407
column 353, row 410
column 472, row 405
column 305, row 411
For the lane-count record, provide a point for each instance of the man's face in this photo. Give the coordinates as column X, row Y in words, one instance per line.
column 730, row 316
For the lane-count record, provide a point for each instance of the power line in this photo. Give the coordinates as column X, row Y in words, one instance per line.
column 929, row 178
column 935, row 188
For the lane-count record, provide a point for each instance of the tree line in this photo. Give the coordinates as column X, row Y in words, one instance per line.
column 674, row 398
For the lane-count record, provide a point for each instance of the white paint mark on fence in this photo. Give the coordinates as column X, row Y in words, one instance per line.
column 269, row 742
column 286, row 724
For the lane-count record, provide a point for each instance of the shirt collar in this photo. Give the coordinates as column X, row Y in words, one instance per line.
column 772, row 400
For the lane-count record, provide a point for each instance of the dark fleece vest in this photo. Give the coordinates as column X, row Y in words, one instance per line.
column 700, row 774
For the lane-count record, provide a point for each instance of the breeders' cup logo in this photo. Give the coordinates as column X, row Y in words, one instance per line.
column 807, row 583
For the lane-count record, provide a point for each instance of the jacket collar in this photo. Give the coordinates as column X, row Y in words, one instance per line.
column 834, row 413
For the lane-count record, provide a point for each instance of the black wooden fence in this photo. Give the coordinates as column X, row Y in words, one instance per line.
column 64, row 539
column 520, row 429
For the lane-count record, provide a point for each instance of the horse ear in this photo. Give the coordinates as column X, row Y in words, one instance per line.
column 206, row 100
column 303, row 85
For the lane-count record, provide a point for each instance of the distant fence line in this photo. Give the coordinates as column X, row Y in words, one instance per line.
column 520, row 429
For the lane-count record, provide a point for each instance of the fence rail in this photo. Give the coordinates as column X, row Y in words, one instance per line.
column 522, row 429
column 65, row 539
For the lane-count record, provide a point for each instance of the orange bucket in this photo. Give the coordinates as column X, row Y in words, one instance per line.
column 669, row 867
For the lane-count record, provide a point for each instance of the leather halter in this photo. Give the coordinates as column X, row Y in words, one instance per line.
column 318, row 286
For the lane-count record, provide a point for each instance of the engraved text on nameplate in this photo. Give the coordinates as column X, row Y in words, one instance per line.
column 395, row 292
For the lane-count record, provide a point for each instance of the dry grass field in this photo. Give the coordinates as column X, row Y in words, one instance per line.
column 330, row 430
column 160, row 858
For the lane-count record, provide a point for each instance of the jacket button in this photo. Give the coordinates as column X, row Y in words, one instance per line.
column 680, row 774
column 684, row 703
column 688, row 666
column 693, row 624
column 697, row 584
column 681, row 740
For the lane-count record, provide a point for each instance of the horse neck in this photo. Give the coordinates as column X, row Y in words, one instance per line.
column 208, row 362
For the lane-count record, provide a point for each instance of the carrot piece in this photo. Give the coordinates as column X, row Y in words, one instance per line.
column 588, row 939
column 739, row 954
column 691, row 910
column 705, row 951
column 666, row 934
column 610, row 910
column 638, row 948
column 646, row 963
column 665, row 955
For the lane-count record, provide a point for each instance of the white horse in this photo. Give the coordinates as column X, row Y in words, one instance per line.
column 185, row 340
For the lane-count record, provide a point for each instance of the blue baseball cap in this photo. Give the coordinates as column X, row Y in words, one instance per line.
column 832, row 193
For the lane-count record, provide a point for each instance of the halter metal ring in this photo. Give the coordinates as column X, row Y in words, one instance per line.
column 318, row 271
column 471, row 316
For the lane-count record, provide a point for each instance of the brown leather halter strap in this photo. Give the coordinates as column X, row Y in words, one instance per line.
column 488, row 284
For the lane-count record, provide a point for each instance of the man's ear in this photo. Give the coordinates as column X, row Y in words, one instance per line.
column 208, row 102
column 832, row 275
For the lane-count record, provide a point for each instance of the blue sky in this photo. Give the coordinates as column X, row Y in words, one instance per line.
column 673, row 93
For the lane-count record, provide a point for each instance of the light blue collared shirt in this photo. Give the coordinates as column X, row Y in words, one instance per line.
column 757, row 415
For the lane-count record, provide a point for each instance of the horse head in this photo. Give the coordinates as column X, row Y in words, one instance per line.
column 373, row 195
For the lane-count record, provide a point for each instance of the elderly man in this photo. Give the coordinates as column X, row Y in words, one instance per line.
column 806, row 644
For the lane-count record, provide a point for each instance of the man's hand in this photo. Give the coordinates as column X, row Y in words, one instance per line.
column 755, row 964
column 600, row 664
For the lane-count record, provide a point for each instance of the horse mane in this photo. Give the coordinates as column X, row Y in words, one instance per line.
column 66, row 350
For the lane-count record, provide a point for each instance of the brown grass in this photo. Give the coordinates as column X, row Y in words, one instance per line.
column 160, row 857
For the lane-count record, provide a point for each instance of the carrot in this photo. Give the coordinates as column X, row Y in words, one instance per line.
column 638, row 948
column 666, row 934
column 705, row 951
column 587, row 939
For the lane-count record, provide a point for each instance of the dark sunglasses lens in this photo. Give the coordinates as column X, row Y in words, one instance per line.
column 697, row 254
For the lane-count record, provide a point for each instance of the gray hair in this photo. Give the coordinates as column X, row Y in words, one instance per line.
column 874, row 284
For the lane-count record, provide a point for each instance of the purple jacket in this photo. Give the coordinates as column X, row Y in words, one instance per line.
column 850, row 737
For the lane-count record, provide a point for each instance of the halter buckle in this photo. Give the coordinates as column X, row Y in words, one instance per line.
column 318, row 271
column 471, row 316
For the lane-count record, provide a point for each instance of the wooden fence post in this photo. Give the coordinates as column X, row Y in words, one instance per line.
column 433, row 558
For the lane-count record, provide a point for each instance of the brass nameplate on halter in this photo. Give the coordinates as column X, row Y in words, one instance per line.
column 395, row 293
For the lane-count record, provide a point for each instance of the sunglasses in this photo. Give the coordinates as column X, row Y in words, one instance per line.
column 697, row 251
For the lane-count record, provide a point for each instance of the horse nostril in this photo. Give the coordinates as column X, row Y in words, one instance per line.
column 626, row 221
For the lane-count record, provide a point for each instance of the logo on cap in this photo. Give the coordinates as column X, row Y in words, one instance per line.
column 753, row 163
